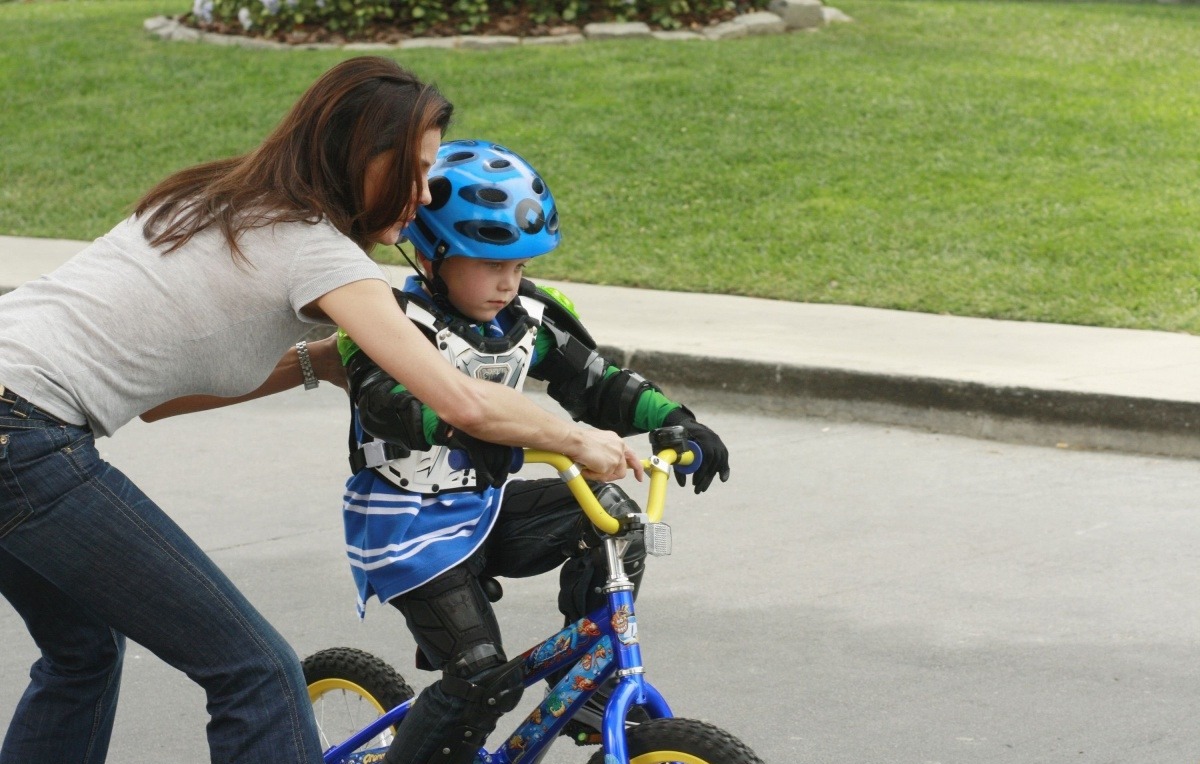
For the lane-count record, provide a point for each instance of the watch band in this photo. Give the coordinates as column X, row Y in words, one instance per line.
column 306, row 367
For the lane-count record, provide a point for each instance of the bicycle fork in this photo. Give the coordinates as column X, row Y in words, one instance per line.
column 632, row 687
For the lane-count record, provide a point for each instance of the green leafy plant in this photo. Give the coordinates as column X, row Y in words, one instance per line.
column 361, row 18
column 269, row 17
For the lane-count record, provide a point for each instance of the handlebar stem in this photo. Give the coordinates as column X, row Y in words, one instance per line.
column 618, row 580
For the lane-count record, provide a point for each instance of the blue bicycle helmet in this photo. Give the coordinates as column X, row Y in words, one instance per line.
column 488, row 204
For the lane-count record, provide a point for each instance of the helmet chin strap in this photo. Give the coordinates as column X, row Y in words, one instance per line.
column 437, row 285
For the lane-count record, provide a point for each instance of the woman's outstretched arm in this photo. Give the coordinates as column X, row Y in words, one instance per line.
column 368, row 312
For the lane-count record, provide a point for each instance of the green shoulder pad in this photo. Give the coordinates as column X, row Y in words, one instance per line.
column 559, row 298
column 346, row 346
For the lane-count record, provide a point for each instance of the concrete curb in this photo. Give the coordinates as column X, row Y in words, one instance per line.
column 1058, row 418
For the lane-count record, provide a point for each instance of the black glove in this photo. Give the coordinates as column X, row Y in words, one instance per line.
column 394, row 417
column 715, row 456
column 491, row 461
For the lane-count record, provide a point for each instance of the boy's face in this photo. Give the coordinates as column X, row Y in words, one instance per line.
column 479, row 289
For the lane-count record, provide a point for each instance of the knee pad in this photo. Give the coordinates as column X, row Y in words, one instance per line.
column 452, row 620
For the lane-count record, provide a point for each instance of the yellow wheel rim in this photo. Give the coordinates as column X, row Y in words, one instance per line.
column 654, row 757
column 325, row 686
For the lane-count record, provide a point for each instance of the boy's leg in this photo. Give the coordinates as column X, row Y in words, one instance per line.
column 100, row 545
column 541, row 527
column 455, row 627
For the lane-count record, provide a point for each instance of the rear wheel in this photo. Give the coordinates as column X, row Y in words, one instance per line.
column 684, row 740
column 350, row 688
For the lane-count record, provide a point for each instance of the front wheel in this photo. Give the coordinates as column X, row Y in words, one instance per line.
column 350, row 688
column 684, row 740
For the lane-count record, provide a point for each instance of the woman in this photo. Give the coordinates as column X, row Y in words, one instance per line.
column 195, row 302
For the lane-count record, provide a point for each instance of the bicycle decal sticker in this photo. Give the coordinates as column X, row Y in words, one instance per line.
column 625, row 625
column 543, row 720
column 588, row 660
column 630, row 637
column 572, row 639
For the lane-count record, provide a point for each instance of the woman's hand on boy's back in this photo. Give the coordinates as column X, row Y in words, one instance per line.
column 327, row 361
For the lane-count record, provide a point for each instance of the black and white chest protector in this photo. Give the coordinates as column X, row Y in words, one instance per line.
column 504, row 360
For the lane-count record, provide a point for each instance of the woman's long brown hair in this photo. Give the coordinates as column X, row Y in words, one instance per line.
column 314, row 163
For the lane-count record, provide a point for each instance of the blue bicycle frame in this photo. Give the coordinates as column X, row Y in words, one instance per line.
column 595, row 647
column 603, row 642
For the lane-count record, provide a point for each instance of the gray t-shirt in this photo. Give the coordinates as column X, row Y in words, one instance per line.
column 121, row 328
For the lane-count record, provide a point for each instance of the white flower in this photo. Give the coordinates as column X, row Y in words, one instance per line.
column 202, row 9
column 244, row 17
column 320, row 3
column 271, row 6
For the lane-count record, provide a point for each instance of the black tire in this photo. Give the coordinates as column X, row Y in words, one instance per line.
column 683, row 740
column 348, row 689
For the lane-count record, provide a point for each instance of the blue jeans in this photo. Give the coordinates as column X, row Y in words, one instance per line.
column 88, row 560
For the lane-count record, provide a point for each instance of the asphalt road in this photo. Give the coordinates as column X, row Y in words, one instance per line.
column 855, row 594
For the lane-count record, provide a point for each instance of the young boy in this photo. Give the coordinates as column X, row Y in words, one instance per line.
column 427, row 535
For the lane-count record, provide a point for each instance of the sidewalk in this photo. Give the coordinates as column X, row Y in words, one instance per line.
column 1051, row 384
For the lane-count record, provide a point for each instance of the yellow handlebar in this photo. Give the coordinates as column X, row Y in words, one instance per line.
column 658, row 466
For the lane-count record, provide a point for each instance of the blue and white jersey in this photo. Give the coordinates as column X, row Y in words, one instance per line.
column 397, row 540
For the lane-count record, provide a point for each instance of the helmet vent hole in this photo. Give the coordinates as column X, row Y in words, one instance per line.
column 439, row 190
column 499, row 164
column 486, row 195
column 488, row 232
column 539, row 187
column 495, row 233
column 460, row 156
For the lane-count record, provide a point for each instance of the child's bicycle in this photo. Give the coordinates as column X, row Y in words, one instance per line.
column 359, row 699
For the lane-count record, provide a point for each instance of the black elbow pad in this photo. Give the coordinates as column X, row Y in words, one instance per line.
column 613, row 401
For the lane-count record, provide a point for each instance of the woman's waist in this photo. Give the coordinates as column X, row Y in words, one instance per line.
column 17, row 406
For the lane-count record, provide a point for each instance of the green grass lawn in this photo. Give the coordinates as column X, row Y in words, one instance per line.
column 1026, row 160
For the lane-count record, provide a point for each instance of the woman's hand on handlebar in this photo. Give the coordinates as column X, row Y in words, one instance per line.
column 602, row 455
column 632, row 460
